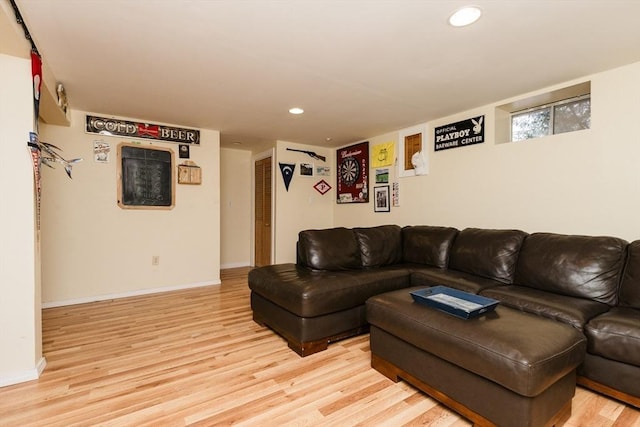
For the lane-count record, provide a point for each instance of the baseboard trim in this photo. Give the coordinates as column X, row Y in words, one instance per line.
column 136, row 293
column 22, row 377
column 235, row 265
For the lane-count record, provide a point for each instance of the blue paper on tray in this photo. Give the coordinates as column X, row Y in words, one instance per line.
column 452, row 301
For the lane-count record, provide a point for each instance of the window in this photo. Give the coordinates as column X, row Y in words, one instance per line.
column 412, row 144
column 411, row 141
column 533, row 116
column 568, row 115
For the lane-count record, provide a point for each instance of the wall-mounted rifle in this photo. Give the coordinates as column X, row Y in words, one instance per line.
column 310, row 153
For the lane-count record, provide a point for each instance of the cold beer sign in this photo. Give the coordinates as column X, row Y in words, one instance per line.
column 117, row 127
column 459, row 134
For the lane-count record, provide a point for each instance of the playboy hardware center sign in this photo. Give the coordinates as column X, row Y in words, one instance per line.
column 459, row 134
column 117, row 127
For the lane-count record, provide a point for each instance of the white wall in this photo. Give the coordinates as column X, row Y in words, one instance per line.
column 20, row 321
column 585, row 182
column 93, row 249
column 236, row 169
column 302, row 207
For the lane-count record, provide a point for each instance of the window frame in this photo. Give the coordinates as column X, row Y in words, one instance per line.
column 400, row 159
column 552, row 109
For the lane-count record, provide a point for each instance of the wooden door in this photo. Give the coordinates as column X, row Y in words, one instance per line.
column 263, row 212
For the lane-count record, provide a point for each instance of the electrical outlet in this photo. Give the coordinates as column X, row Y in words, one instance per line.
column 155, row 260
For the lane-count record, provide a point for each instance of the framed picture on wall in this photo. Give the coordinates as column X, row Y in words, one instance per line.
column 410, row 141
column 306, row 169
column 381, row 199
column 352, row 170
column 145, row 177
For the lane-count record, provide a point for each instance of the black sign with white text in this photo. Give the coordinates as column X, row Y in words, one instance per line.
column 118, row 127
column 459, row 134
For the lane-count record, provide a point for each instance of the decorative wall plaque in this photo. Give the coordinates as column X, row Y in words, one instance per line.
column 353, row 173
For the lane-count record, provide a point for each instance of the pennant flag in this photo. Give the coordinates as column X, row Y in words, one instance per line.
column 287, row 173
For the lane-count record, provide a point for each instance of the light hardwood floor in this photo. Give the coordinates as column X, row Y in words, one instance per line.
column 195, row 357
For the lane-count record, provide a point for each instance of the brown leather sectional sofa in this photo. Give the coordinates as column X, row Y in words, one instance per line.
column 589, row 283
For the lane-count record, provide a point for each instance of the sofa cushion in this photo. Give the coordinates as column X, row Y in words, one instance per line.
column 429, row 245
column 630, row 288
column 571, row 310
column 430, row 276
column 615, row 335
column 330, row 249
column 487, row 253
column 579, row 266
column 379, row 245
column 310, row 293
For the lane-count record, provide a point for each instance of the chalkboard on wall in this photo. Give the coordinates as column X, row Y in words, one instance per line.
column 145, row 177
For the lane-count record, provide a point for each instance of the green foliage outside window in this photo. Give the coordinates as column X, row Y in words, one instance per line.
column 564, row 116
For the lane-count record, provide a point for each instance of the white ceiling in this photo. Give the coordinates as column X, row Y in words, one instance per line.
column 359, row 68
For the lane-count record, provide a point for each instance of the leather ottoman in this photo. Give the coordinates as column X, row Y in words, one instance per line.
column 506, row 367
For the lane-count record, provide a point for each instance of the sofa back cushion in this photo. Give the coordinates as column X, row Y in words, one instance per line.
column 428, row 245
column 329, row 249
column 579, row 266
column 380, row 245
column 487, row 253
column 630, row 288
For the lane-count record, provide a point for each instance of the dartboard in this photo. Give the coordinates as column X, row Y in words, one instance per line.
column 349, row 170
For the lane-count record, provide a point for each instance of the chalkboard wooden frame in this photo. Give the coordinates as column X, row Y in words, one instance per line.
column 145, row 177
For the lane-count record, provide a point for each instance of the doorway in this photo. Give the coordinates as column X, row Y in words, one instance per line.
column 263, row 212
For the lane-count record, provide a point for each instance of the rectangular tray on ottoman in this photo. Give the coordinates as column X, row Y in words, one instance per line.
column 459, row 303
column 506, row 368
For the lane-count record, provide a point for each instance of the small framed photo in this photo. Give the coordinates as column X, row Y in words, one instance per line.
column 381, row 199
column 382, row 176
column 323, row 170
column 306, row 169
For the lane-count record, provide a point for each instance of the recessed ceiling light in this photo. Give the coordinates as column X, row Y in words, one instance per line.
column 296, row 110
column 465, row 16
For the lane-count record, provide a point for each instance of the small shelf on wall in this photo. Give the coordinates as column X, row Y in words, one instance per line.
column 50, row 111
